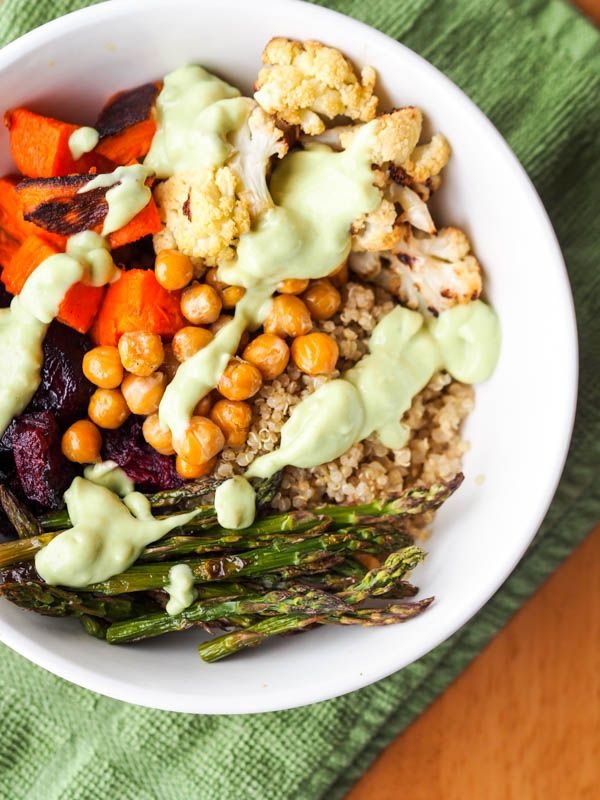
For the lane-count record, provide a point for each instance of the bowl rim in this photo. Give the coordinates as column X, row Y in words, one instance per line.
column 53, row 662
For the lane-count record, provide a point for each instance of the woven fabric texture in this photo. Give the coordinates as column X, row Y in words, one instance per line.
column 534, row 68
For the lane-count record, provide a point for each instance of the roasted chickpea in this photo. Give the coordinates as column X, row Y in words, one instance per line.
column 234, row 418
column 203, row 407
column 170, row 364
column 143, row 395
column 212, row 279
column 292, row 286
column 201, row 304
column 189, row 340
column 158, row 436
column 81, row 442
column 240, row 380
column 141, row 353
column 269, row 353
column 288, row 316
column 173, row 269
column 315, row 353
column 232, row 295
column 339, row 276
column 189, row 471
column 107, row 408
column 323, row 299
column 102, row 366
column 201, row 441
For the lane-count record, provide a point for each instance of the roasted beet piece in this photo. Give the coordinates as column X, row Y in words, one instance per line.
column 5, row 297
column 149, row 470
column 64, row 389
column 43, row 471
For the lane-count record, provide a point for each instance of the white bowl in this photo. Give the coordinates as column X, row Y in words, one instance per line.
column 521, row 426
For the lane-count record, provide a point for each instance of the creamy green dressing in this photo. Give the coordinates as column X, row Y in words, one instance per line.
column 111, row 476
column 127, row 196
column 93, row 252
column 318, row 193
column 24, row 324
column 107, row 536
column 197, row 376
column 21, row 337
column 180, row 589
column 195, row 112
column 469, row 340
column 82, row 141
column 235, row 503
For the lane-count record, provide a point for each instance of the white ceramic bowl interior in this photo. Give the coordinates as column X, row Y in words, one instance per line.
column 519, row 431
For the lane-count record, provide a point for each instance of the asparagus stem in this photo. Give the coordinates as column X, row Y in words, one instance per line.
column 56, row 602
column 299, row 600
column 142, row 577
column 55, row 521
column 176, row 546
column 266, row 489
column 23, row 549
column 409, row 503
column 231, row 643
column 22, row 520
column 387, row 615
column 93, row 626
column 378, row 581
column 250, row 563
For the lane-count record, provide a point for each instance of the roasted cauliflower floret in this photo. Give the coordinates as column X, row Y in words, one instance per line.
column 427, row 273
column 376, row 230
column 255, row 143
column 427, row 160
column 414, row 208
column 206, row 213
column 304, row 81
column 395, row 135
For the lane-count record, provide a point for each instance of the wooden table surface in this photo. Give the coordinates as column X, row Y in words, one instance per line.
column 523, row 721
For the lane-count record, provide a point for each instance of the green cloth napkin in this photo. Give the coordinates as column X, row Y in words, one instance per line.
column 534, row 68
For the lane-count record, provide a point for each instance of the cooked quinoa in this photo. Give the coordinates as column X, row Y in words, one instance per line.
column 368, row 470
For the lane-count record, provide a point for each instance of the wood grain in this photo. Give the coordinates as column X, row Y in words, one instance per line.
column 523, row 721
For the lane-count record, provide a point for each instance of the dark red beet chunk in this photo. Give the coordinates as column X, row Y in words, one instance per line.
column 5, row 297
column 43, row 471
column 149, row 470
column 64, row 389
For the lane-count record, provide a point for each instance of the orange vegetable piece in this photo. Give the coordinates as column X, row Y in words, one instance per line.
column 56, row 206
column 81, row 302
column 8, row 247
column 137, row 302
column 126, row 125
column 11, row 214
column 130, row 145
column 40, row 146
column 147, row 221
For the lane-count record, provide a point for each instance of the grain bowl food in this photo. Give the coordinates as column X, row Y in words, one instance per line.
column 243, row 351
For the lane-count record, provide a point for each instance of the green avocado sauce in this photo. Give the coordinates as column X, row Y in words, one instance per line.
column 108, row 534
column 82, row 141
